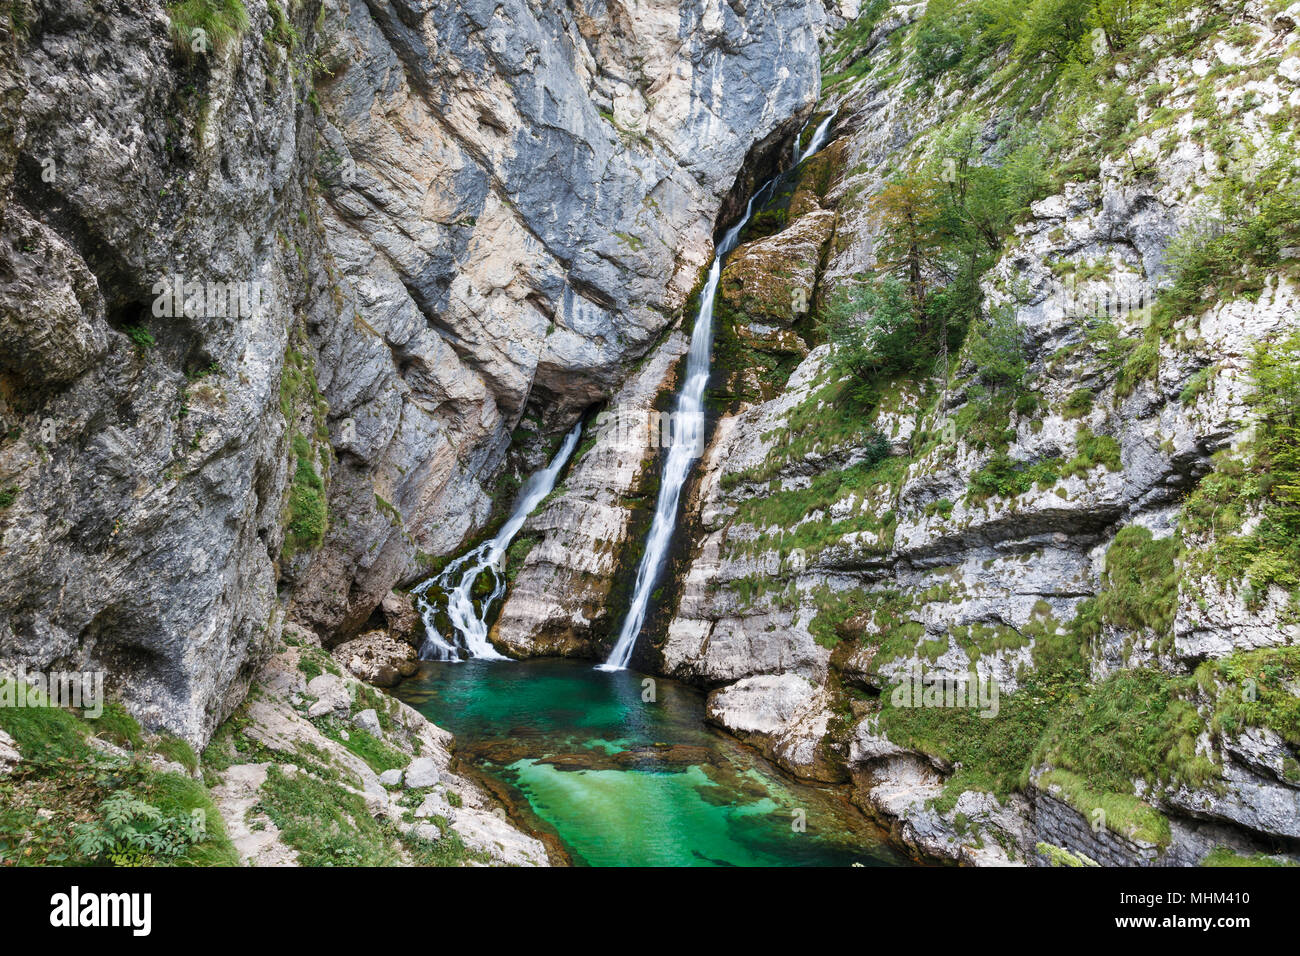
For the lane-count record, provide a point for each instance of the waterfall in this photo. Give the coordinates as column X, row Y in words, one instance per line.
column 469, row 620
column 818, row 138
column 687, row 438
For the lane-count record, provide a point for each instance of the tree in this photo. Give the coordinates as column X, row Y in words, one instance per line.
column 911, row 240
column 875, row 336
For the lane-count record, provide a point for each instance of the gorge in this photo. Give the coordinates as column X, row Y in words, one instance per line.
column 974, row 328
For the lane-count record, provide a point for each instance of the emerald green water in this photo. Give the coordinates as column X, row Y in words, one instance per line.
column 620, row 781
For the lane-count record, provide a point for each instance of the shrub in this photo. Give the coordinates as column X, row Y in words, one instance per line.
column 131, row 832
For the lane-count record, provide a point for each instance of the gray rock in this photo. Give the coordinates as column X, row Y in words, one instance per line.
column 331, row 695
column 368, row 721
column 421, row 772
column 391, row 778
column 9, row 755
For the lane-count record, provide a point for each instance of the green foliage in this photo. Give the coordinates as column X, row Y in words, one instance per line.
column 1093, row 450
column 1121, row 813
column 1003, row 477
column 177, row 749
column 216, row 23
column 1223, row 856
column 1196, row 386
column 1140, row 582
column 374, row 751
column 308, row 510
column 1138, row 724
column 1255, row 689
column 994, row 752
column 1059, row 856
column 1079, row 403
column 325, row 822
column 142, row 337
column 132, row 832
column 117, row 726
column 1265, row 482
column 44, row 734
column 8, row 496
column 876, row 334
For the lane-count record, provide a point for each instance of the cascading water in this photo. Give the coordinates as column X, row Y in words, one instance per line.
column 468, row 619
column 818, row 138
column 687, row 436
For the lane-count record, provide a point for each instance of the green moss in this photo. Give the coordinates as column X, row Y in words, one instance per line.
column 1140, row 582
column 1059, row 856
column 8, row 496
column 1222, row 856
column 1120, row 813
column 308, row 510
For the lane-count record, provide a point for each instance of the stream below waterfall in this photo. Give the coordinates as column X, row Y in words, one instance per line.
column 619, row 781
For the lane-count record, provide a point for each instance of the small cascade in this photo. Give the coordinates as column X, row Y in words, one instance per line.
column 818, row 138
column 468, row 613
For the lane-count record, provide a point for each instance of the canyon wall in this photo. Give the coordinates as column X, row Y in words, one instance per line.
column 446, row 219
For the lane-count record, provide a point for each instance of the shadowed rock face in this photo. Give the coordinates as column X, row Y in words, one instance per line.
column 452, row 212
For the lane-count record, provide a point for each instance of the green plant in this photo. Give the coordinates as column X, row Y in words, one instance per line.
column 1140, row 582
column 132, row 832
column 308, row 510
column 200, row 25
column 142, row 337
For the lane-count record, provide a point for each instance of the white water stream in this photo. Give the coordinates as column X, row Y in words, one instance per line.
column 688, row 437
column 468, row 618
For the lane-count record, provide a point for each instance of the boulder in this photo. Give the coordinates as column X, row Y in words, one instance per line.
column 421, row 772
column 331, row 695
column 368, row 721
column 376, row 658
column 403, row 620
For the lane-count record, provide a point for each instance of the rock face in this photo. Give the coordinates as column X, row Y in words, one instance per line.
column 441, row 217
